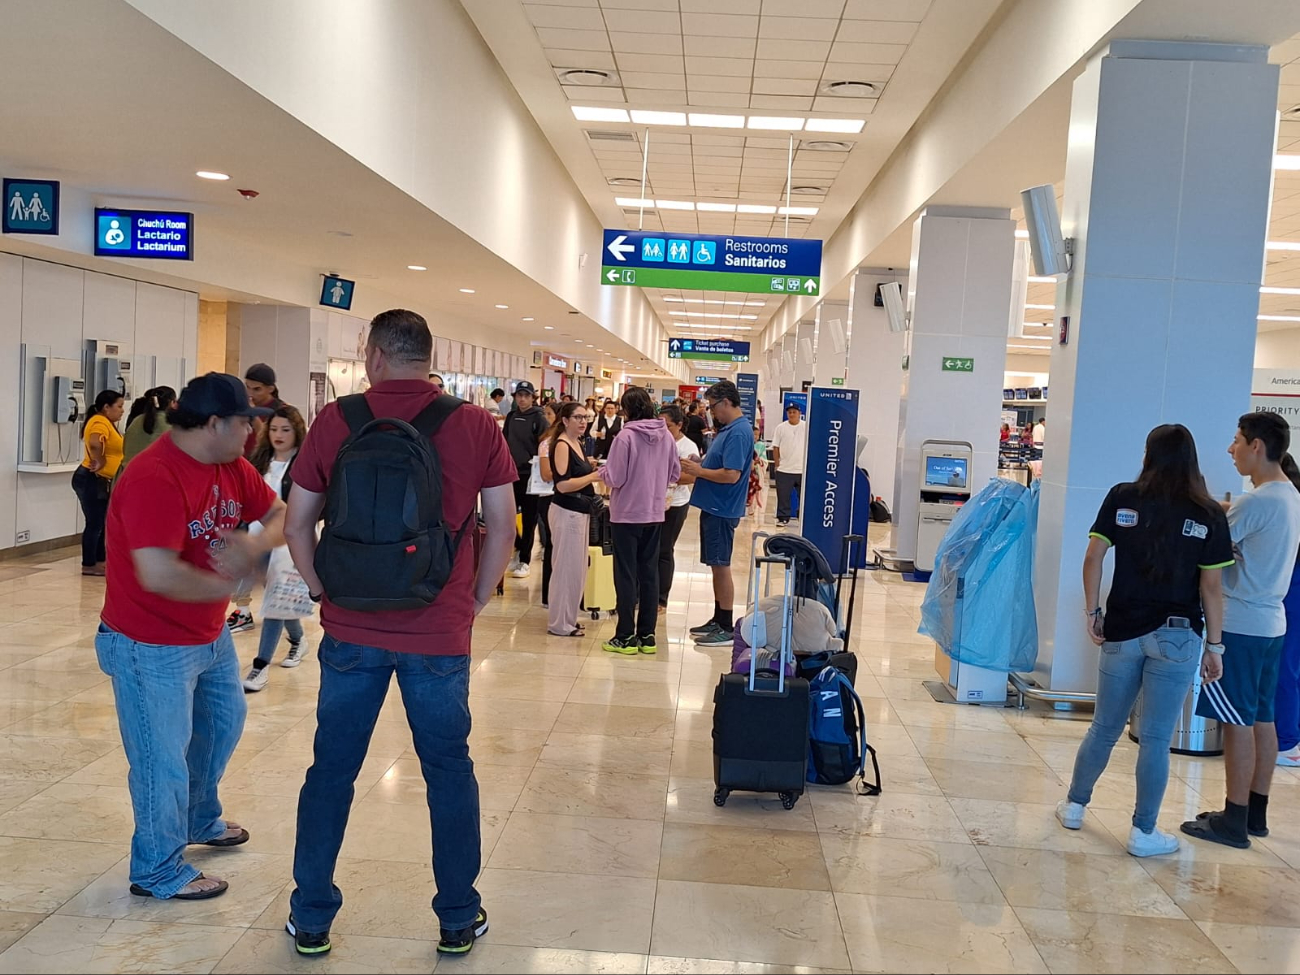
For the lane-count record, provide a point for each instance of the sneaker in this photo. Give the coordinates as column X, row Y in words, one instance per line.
column 256, row 679
column 462, row 942
column 618, row 644
column 647, row 643
column 704, row 628
column 716, row 637
column 308, row 942
column 521, row 571
column 1289, row 759
column 1070, row 814
column 1152, row 844
column 783, row 523
column 296, row 655
column 513, row 563
column 239, row 621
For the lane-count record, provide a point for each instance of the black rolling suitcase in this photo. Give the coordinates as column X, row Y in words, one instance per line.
column 760, row 720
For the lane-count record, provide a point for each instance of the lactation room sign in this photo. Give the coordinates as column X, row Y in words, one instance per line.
column 160, row 234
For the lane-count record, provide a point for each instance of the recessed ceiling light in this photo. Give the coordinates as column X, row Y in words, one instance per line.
column 1279, row 318
column 585, row 76
column 716, row 207
column 754, row 208
column 783, row 123
column 416, row 267
column 503, row 307
column 1278, row 291
column 592, row 114
column 1042, row 278
column 1286, row 161
column 641, row 117
column 748, row 302
column 851, row 125
column 851, row 89
column 1282, row 245
column 674, row 204
column 467, row 291
column 591, row 345
column 798, row 211
column 623, row 181
column 549, row 328
column 714, row 328
column 708, row 121
column 529, row 319
column 825, row 145
column 1042, row 307
column 209, row 174
column 633, row 201
column 579, row 341
column 715, row 314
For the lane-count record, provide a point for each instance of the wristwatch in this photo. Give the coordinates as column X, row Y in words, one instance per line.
column 1214, row 648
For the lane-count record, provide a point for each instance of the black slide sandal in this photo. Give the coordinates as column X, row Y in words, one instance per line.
column 199, row 895
column 1202, row 828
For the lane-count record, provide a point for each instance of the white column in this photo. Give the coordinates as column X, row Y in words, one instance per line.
column 1167, row 191
column 959, row 294
column 830, row 343
column 875, row 368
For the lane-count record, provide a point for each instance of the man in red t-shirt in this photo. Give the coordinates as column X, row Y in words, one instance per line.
column 173, row 560
column 427, row 648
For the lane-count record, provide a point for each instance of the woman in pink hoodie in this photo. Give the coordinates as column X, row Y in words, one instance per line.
column 642, row 464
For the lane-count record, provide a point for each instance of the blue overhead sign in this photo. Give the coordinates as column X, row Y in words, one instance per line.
column 31, row 206
column 764, row 265
column 336, row 292
column 160, row 234
column 716, row 350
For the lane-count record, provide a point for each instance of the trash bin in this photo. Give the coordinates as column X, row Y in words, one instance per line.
column 1193, row 735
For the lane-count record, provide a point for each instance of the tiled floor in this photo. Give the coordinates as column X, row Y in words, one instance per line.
column 603, row 850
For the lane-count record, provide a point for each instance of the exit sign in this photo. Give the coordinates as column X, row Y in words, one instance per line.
column 955, row 364
column 837, row 381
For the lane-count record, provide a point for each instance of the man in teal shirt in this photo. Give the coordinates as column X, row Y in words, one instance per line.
column 721, row 484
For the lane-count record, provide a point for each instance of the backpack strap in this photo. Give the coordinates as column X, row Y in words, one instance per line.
column 356, row 412
column 864, row 788
column 430, row 419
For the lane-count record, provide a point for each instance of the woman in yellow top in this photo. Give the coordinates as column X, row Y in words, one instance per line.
column 94, row 477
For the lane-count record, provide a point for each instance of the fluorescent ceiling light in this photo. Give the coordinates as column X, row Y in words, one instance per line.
column 416, row 267
column 1279, row 318
column 1279, row 291
column 1286, row 161
column 209, row 174
column 549, row 328
column 590, row 114
column 1043, row 278
column 834, row 125
column 1042, row 307
column 783, row 123
column 714, row 328
column 674, row 204
column 716, row 207
column 754, row 208
column 1037, row 338
column 1282, row 245
column 1022, row 234
column 716, row 314
column 633, row 201
column 1036, row 348
column 467, row 291
column 641, row 117
column 708, row 121
column 798, row 211
column 716, row 301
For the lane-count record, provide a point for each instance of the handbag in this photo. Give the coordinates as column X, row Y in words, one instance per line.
column 537, row 485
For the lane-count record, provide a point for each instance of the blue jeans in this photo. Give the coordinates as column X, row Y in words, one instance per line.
column 1161, row 665
column 271, row 631
column 354, row 680
column 181, row 712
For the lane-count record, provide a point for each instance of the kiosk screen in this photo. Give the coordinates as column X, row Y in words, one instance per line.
column 945, row 472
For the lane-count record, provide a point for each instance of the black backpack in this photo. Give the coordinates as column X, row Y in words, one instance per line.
column 385, row 545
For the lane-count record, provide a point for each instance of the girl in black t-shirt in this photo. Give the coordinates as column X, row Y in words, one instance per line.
column 1171, row 543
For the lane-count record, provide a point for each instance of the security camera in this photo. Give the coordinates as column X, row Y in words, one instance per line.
column 249, row 194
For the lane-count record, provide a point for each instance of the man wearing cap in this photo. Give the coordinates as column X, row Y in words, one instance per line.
column 524, row 426
column 162, row 637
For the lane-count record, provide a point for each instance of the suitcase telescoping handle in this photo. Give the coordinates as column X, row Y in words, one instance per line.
column 850, row 569
column 787, row 620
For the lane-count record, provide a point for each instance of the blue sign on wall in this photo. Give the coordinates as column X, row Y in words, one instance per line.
column 747, row 384
column 159, row 234
column 31, row 206
column 829, row 472
column 765, row 265
column 336, row 292
column 798, row 399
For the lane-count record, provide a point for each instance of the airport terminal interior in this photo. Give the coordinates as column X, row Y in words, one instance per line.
column 977, row 249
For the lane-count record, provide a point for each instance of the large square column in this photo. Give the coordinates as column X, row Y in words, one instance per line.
column 875, row 368
column 1167, row 190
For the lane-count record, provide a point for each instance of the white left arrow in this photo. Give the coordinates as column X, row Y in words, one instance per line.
column 620, row 248
column 612, row 276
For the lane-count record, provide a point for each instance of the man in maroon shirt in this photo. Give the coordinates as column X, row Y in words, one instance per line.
column 427, row 648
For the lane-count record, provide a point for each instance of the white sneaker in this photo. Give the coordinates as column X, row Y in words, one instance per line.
column 295, row 656
column 521, row 571
column 1070, row 814
column 513, row 563
column 1289, row 759
column 256, row 679
column 1151, row 844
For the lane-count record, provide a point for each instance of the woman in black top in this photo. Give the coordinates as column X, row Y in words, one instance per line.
column 1171, row 545
column 695, row 426
column 569, row 518
column 606, row 428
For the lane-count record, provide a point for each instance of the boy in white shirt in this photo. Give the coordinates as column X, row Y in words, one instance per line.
column 789, row 444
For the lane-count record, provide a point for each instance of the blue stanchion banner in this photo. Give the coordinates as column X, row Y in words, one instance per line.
column 828, row 478
column 747, row 385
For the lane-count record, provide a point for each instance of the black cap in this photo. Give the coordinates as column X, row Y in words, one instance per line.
column 219, row 394
column 525, row 387
column 260, row 372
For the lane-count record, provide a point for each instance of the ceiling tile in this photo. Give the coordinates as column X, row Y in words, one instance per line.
column 576, row 18
column 721, row 6
column 844, row 107
column 575, row 40
column 867, row 53
column 654, row 79
column 646, row 43
column 850, row 71
column 670, row 5
column 807, row 70
column 674, row 138
column 716, row 141
column 913, row 10
column 561, row 3
column 643, row 21
column 729, row 67
column 784, row 86
column 877, row 31
column 645, row 97
column 781, row 101
column 720, row 25
column 704, row 82
column 721, row 47
column 795, row 50
column 589, row 93
column 719, row 99
column 667, row 63
column 803, row 8
column 797, row 28
column 759, row 142
column 563, row 58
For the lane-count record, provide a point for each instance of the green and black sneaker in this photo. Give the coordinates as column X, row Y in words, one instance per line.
column 618, row 644
column 461, row 942
column 308, row 942
column 647, row 643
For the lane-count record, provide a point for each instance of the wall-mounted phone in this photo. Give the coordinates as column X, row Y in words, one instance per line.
column 69, row 399
column 107, row 367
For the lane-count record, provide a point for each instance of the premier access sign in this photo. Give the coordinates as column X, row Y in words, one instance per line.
column 759, row 265
column 715, row 350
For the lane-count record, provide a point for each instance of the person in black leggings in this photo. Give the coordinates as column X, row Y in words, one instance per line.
column 679, row 498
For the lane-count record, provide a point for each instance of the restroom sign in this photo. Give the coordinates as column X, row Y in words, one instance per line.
column 31, row 206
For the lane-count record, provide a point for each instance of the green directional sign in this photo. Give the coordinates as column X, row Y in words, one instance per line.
column 956, row 364
column 711, row 262
column 670, row 277
column 837, row 381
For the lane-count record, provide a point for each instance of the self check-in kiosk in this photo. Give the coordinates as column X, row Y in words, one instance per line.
column 945, row 487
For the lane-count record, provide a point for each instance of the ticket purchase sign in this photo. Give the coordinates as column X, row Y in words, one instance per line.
column 759, row 265
column 158, row 234
column 827, row 495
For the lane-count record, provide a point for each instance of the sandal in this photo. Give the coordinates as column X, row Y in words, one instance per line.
column 1206, row 826
column 577, row 631
column 235, row 835
column 195, row 890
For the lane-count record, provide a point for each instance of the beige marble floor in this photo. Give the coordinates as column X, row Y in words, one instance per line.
column 602, row 849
